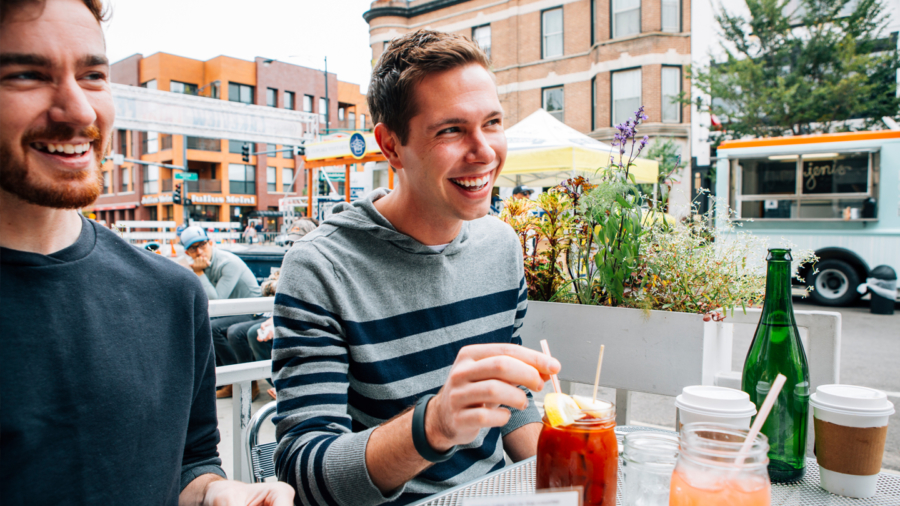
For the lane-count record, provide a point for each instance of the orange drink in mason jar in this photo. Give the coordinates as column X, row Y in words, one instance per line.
column 708, row 472
column 579, row 449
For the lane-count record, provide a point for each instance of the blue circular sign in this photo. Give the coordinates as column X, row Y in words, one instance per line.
column 357, row 145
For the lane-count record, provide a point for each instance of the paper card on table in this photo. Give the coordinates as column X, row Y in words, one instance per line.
column 569, row 497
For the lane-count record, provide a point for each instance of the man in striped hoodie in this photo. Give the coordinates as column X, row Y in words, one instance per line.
column 397, row 355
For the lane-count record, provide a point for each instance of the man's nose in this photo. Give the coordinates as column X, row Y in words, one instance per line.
column 71, row 105
column 480, row 149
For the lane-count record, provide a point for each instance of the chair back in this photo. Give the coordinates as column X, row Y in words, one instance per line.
column 261, row 456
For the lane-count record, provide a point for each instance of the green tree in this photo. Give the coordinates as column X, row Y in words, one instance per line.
column 801, row 67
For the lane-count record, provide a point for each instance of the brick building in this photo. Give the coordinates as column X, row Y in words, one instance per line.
column 590, row 63
column 228, row 188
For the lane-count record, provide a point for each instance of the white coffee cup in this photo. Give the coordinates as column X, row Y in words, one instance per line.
column 851, row 426
column 707, row 403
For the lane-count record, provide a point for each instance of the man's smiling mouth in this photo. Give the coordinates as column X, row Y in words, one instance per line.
column 62, row 148
column 472, row 184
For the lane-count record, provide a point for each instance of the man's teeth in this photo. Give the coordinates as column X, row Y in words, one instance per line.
column 473, row 183
column 68, row 149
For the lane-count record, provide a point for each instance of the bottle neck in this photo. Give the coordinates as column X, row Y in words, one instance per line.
column 778, row 308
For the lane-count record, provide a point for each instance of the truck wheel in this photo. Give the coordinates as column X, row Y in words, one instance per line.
column 834, row 284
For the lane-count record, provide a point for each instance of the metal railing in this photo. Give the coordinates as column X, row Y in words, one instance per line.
column 204, row 144
column 198, row 186
column 240, row 376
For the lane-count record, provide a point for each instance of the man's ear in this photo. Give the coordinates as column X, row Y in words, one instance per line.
column 389, row 142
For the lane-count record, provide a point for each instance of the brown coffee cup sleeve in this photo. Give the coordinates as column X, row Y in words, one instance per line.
column 849, row 450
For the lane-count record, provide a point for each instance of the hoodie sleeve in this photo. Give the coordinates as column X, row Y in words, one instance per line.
column 318, row 454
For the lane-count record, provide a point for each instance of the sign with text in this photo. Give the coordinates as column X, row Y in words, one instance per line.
column 357, row 146
column 186, row 176
column 557, row 498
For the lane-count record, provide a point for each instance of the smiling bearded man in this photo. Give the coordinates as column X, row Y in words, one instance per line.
column 107, row 370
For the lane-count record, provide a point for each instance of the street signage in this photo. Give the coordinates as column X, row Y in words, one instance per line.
column 118, row 158
column 186, row 176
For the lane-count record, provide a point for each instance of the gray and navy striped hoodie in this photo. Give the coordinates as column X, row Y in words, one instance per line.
column 367, row 320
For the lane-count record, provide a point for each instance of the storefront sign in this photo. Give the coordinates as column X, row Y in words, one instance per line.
column 243, row 200
column 200, row 198
column 357, row 145
column 156, row 199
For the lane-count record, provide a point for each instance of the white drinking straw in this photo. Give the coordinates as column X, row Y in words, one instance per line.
column 761, row 419
column 597, row 377
column 553, row 379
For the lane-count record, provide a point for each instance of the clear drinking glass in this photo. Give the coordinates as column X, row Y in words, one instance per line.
column 647, row 464
column 707, row 471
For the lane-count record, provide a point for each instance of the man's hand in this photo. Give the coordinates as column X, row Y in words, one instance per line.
column 200, row 264
column 482, row 378
column 236, row 493
column 266, row 331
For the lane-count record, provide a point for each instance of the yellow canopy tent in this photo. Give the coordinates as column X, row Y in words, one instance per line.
column 542, row 151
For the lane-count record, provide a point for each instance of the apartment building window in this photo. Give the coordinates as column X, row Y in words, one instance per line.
column 271, row 97
column 626, row 17
column 289, row 100
column 287, row 180
column 362, row 121
column 234, row 147
column 671, row 15
column 671, row 87
column 341, row 112
column 626, row 95
column 270, row 179
column 183, row 88
column 552, row 33
column 270, row 148
column 151, row 179
column 287, row 154
column 123, row 142
column 106, row 181
column 240, row 93
column 351, row 120
column 553, row 101
column 241, row 179
column 123, row 177
column 151, row 142
column 150, row 85
column 593, row 103
column 323, row 108
column 307, row 103
column 481, row 35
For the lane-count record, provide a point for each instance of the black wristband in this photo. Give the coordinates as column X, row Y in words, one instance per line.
column 420, row 441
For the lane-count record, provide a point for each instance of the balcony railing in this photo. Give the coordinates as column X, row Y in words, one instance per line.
column 203, row 144
column 199, row 186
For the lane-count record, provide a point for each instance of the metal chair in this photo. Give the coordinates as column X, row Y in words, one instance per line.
column 260, row 456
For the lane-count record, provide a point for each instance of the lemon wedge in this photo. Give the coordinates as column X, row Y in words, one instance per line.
column 596, row 409
column 561, row 410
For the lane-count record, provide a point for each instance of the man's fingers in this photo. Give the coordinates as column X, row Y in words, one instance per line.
column 487, row 393
column 484, row 417
column 536, row 359
column 503, row 368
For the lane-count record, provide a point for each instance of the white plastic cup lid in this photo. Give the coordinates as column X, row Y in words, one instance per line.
column 716, row 401
column 852, row 400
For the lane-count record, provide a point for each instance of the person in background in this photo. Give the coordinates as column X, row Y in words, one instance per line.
column 522, row 192
column 223, row 276
column 108, row 397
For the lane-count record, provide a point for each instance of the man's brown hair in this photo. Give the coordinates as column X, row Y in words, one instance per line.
column 405, row 63
column 8, row 7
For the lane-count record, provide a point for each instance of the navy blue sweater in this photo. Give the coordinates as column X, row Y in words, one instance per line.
column 107, row 376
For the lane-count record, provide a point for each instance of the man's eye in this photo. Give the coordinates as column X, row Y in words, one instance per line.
column 495, row 121
column 451, row 130
column 24, row 76
column 95, row 76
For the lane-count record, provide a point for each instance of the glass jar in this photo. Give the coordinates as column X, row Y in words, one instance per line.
column 584, row 454
column 708, row 471
column 647, row 465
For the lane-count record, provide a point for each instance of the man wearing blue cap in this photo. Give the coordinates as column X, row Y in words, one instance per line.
column 223, row 276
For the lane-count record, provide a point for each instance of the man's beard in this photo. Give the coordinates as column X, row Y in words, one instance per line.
column 70, row 190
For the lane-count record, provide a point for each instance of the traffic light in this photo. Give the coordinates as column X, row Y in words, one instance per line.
column 299, row 150
column 245, row 152
column 188, row 201
column 176, row 195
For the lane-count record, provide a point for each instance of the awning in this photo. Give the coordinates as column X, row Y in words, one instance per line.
column 265, row 212
column 114, row 207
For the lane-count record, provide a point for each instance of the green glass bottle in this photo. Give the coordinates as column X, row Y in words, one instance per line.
column 776, row 348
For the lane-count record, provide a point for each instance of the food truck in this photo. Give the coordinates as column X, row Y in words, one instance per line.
column 836, row 194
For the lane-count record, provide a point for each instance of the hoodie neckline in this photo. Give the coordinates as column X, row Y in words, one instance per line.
column 362, row 215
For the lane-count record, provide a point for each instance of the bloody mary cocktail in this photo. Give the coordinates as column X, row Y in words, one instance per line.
column 585, row 454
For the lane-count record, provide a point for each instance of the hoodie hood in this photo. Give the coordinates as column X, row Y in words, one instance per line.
column 362, row 215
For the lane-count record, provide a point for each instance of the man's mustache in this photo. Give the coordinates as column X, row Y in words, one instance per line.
column 61, row 132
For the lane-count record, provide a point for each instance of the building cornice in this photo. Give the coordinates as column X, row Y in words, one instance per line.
column 409, row 12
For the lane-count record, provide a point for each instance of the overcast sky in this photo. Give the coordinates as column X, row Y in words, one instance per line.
column 302, row 32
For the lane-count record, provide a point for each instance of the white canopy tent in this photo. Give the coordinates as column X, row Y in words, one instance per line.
column 542, row 151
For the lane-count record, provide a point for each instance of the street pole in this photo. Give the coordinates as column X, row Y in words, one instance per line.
column 327, row 102
column 184, row 209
